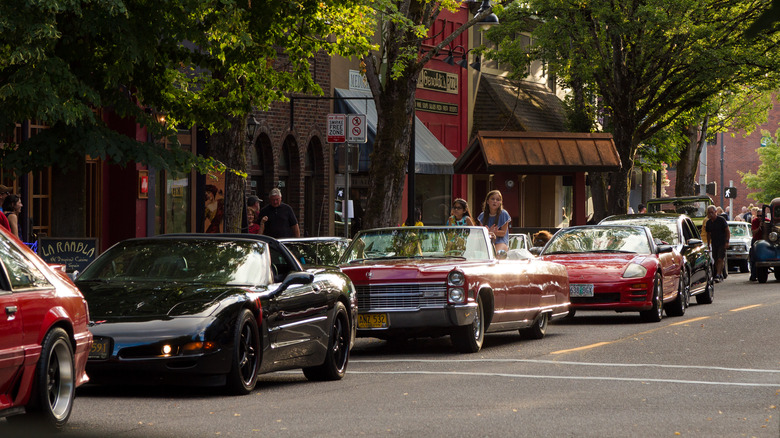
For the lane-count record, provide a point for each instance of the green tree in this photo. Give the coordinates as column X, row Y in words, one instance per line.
column 204, row 62
column 648, row 61
column 766, row 181
column 392, row 72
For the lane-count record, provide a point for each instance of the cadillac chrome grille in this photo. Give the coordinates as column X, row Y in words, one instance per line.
column 401, row 296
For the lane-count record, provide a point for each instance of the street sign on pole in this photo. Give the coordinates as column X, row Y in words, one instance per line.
column 337, row 124
column 730, row 192
column 356, row 128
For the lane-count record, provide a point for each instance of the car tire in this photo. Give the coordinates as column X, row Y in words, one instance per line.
column 51, row 402
column 678, row 306
column 538, row 329
column 762, row 274
column 335, row 365
column 655, row 313
column 469, row 338
column 708, row 295
column 246, row 355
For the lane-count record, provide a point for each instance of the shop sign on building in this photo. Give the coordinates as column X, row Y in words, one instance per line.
column 358, row 81
column 436, row 80
column 436, row 107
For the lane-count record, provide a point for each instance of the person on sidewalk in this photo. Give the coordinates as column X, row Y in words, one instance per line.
column 718, row 236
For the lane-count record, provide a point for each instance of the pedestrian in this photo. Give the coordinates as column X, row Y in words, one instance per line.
column 460, row 214
column 4, row 191
column 215, row 209
column 253, row 203
column 496, row 219
column 254, row 227
column 12, row 206
column 277, row 219
column 718, row 235
column 641, row 209
column 417, row 219
column 758, row 234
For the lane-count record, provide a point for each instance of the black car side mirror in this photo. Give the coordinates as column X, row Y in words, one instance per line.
column 694, row 242
column 664, row 248
column 295, row 278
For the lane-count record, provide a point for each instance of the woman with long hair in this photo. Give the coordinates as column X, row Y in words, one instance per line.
column 12, row 206
column 496, row 219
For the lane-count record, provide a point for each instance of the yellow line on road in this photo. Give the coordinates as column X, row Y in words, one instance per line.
column 690, row 320
column 587, row 347
column 746, row 307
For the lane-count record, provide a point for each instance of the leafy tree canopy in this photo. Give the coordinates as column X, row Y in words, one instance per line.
column 196, row 61
column 765, row 182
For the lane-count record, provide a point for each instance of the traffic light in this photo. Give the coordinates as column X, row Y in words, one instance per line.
column 712, row 188
column 730, row 192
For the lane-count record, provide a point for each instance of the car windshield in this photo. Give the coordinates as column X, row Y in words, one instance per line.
column 598, row 239
column 416, row 242
column 739, row 230
column 691, row 208
column 184, row 261
column 317, row 253
column 663, row 229
column 518, row 241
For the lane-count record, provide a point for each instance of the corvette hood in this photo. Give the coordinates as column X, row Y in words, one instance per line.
column 151, row 300
column 599, row 267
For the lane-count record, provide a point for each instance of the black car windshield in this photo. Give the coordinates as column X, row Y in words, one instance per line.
column 663, row 229
column 598, row 239
column 184, row 260
column 417, row 242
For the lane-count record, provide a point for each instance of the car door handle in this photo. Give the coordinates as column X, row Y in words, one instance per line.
column 316, row 287
column 10, row 310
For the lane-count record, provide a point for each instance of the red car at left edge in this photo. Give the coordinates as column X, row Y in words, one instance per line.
column 44, row 339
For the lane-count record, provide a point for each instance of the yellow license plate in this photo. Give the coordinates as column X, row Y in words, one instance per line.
column 372, row 320
column 100, row 348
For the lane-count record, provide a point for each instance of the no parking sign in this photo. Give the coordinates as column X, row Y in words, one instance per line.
column 356, row 128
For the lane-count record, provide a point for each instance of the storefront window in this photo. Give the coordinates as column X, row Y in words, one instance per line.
column 433, row 195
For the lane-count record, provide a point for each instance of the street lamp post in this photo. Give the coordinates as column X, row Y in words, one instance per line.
column 251, row 129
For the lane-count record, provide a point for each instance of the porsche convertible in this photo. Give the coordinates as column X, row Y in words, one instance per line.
column 621, row 268
column 214, row 309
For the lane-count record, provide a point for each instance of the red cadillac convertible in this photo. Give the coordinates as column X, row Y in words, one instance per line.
column 621, row 268
column 44, row 339
column 435, row 281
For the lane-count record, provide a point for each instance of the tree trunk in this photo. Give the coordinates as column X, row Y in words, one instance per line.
column 229, row 147
column 391, row 151
column 598, row 191
column 689, row 159
column 617, row 194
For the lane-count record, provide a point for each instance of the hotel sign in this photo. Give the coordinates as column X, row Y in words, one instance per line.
column 435, row 80
column 436, row 107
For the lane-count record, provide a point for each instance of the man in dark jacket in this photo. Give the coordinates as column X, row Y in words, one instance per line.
column 718, row 236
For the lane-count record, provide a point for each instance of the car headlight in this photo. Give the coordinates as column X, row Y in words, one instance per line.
column 456, row 295
column 773, row 236
column 456, row 278
column 634, row 271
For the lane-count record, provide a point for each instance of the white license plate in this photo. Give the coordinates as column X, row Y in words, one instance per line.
column 580, row 290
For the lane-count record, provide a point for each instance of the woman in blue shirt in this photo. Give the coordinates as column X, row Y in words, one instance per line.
column 496, row 219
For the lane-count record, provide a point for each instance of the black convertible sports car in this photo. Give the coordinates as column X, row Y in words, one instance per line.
column 220, row 308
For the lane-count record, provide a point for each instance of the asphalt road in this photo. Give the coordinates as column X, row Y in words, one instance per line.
column 714, row 372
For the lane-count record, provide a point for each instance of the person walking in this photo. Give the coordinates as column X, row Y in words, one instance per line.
column 12, row 206
column 496, row 219
column 277, row 219
column 460, row 214
column 758, row 234
column 4, row 191
column 718, row 236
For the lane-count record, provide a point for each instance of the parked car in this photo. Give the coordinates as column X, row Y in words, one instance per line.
column 519, row 241
column 216, row 309
column 317, row 250
column 44, row 340
column 435, row 281
column 679, row 231
column 738, row 252
column 621, row 268
column 766, row 251
column 695, row 207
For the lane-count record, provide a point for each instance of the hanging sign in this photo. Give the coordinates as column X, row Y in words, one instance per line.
column 356, row 128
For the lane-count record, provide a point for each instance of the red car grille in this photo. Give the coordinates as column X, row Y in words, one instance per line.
column 401, row 296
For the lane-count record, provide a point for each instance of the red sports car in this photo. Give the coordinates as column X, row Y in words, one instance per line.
column 621, row 268
column 44, row 341
column 434, row 281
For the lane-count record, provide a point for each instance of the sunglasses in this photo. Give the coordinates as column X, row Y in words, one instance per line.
column 457, row 207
